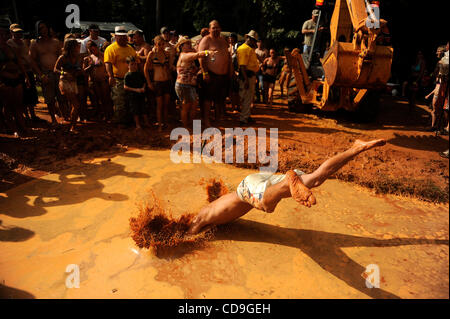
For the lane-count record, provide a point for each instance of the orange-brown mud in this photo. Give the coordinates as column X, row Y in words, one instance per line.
column 215, row 188
column 408, row 165
column 81, row 216
column 156, row 229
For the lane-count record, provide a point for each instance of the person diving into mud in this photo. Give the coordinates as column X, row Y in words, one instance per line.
column 264, row 191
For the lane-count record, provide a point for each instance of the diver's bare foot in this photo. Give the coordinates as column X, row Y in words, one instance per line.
column 300, row 192
column 365, row 146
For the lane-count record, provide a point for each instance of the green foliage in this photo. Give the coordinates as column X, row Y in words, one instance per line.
column 274, row 20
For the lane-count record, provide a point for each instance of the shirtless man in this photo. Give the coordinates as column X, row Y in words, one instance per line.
column 264, row 191
column 44, row 52
column 170, row 50
column 12, row 75
column 142, row 48
column 217, row 71
column 30, row 97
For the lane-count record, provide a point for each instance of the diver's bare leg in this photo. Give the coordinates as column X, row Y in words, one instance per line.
column 223, row 210
column 332, row 165
column 300, row 185
column 230, row 207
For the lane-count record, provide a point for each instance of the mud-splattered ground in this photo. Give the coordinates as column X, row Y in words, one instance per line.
column 68, row 199
column 409, row 164
column 80, row 216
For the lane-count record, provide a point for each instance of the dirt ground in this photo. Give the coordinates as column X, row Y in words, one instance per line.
column 67, row 200
column 80, row 216
column 408, row 165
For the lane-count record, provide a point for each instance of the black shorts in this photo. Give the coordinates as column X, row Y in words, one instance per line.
column 162, row 88
column 30, row 95
column 269, row 78
column 217, row 88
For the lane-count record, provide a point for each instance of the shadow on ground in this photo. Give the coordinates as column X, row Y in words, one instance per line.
column 13, row 293
column 75, row 185
column 14, row 234
column 323, row 247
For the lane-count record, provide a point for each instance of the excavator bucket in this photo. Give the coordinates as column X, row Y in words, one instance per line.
column 345, row 67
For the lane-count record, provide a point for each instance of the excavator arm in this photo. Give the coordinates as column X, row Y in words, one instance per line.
column 354, row 65
column 354, row 59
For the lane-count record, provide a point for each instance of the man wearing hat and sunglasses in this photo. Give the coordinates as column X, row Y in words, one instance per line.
column 248, row 66
column 94, row 31
column 116, row 66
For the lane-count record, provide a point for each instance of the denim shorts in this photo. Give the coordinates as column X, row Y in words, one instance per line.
column 186, row 93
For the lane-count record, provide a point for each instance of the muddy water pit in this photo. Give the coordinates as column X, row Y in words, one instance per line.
column 81, row 216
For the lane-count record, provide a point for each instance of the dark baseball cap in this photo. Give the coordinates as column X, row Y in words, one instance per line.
column 93, row 27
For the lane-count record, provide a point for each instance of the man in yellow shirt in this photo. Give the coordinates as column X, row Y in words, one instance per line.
column 248, row 66
column 116, row 66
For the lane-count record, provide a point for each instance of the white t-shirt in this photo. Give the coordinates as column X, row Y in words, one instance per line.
column 100, row 41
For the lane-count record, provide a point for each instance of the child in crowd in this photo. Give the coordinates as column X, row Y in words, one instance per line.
column 134, row 84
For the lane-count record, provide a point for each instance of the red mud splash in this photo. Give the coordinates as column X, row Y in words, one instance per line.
column 156, row 228
column 215, row 189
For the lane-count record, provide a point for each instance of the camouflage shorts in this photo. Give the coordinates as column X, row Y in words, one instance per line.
column 251, row 190
column 254, row 199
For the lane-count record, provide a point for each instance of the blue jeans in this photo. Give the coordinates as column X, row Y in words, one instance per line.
column 306, row 48
column 259, row 89
column 261, row 81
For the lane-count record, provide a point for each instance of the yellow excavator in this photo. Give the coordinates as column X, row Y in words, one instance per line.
column 348, row 65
